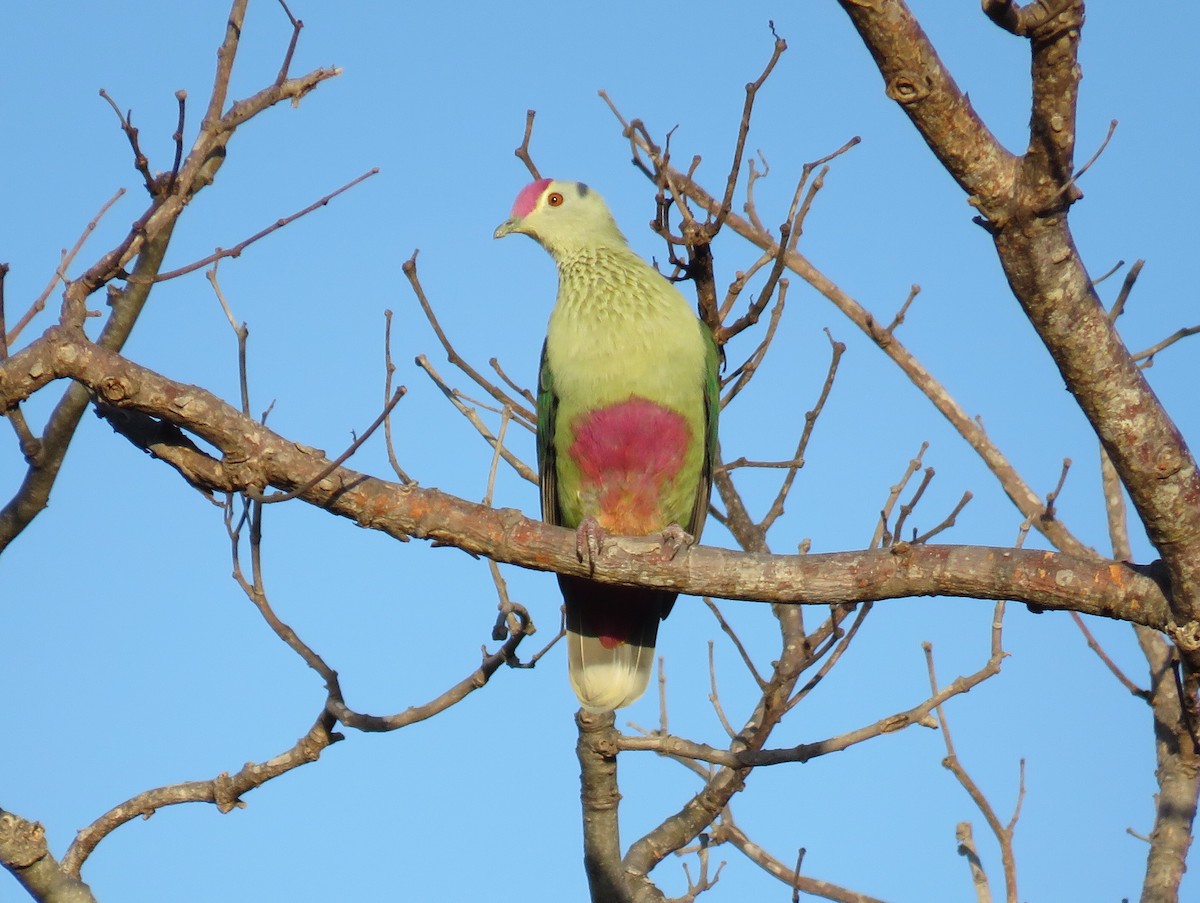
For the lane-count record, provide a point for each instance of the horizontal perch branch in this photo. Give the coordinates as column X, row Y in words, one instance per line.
column 255, row 457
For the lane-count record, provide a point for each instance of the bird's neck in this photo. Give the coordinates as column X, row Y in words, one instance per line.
column 609, row 276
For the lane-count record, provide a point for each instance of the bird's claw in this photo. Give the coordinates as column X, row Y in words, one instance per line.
column 674, row 538
column 589, row 540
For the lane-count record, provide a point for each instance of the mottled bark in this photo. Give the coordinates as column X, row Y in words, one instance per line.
column 1024, row 204
column 24, row 852
column 599, row 798
column 147, row 243
column 254, row 457
column 1176, row 773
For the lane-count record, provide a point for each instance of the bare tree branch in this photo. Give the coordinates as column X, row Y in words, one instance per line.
column 600, row 798
column 236, row 250
column 728, row 832
column 225, row 791
column 1003, row 833
column 1026, row 500
column 1025, row 209
column 26, row 855
column 146, row 241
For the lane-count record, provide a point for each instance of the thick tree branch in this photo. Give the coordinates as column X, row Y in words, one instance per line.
column 1178, row 780
column 146, row 241
column 1027, row 217
column 24, row 852
column 600, row 797
column 255, row 456
column 34, row 493
column 914, row 77
column 1026, row 209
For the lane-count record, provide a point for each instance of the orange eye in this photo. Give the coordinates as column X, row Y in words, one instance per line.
column 554, row 199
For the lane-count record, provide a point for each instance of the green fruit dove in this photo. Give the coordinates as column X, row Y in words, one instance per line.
column 627, row 425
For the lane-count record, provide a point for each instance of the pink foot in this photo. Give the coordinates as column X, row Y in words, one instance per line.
column 674, row 538
column 589, row 539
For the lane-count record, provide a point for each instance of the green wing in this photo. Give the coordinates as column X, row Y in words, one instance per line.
column 547, row 413
column 712, row 408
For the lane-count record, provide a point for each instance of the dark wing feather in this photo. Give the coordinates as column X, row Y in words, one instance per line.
column 712, row 408
column 547, row 413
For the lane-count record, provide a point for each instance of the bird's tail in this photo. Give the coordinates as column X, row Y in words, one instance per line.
column 610, row 640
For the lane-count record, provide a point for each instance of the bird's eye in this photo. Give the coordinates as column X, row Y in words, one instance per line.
column 554, row 199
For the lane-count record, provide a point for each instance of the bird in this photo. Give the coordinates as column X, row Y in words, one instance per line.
column 627, row 405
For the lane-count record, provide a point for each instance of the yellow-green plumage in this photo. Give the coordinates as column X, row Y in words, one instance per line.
column 627, row 412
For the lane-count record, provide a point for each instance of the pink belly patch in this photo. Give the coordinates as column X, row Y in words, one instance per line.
column 627, row 455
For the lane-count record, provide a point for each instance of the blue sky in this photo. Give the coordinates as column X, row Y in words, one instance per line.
column 133, row 658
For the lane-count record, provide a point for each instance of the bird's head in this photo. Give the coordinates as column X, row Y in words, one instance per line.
column 562, row 217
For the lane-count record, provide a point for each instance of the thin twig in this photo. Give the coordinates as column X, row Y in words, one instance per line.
column 1012, row 822
column 899, row 318
column 505, row 619
column 1112, row 666
column 762, row 465
column 242, row 333
column 1003, row 834
column 714, row 697
column 1050, row 512
column 462, row 396
column 341, row 459
column 522, row 152
column 140, row 163
column 920, row 714
column 796, row 882
column 737, row 642
column 3, row 320
column 740, row 281
column 1112, row 127
column 478, row 678
column 297, row 25
column 1118, row 531
column 523, row 469
column 907, row 507
column 410, row 271
column 1148, row 355
column 728, row 832
column 224, row 791
column 520, row 390
column 735, row 167
column 947, row 523
column 810, row 421
column 663, row 721
column 1111, row 270
column 741, row 376
column 515, row 662
column 177, row 137
column 65, row 261
column 389, row 372
column 839, row 642
column 882, row 536
column 236, row 250
column 1118, row 307
column 753, row 175
column 774, row 278
column 499, row 446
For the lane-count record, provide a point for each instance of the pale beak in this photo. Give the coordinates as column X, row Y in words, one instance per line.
column 508, row 227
